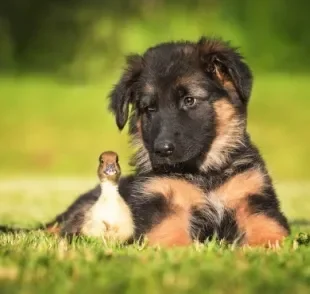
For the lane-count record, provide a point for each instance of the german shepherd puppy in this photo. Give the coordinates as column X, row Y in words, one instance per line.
column 197, row 173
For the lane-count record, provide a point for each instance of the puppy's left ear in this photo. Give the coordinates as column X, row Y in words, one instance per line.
column 122, row 94
column 225, row 64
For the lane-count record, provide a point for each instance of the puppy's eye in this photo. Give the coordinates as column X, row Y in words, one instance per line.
column 189, row 101
column 147, row 105
column 151, row 108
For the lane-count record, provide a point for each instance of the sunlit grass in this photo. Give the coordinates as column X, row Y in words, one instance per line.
column 39, row 263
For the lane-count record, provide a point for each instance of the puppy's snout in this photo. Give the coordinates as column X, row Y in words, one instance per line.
column 164, row 148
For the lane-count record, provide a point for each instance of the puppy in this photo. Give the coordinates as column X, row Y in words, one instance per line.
column 197, row 171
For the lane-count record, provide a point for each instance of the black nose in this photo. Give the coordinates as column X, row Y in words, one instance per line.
column 164, row 148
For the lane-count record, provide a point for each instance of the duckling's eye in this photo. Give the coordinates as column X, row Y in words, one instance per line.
column 101, row 160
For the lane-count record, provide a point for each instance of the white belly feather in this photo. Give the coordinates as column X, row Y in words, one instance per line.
column 110, row 216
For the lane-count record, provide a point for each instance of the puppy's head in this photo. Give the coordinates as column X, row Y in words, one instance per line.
column 184, row 97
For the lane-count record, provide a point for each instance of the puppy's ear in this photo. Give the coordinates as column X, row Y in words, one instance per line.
column 225, row 64
column 122, row 94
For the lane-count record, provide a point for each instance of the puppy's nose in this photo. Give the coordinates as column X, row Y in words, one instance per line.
column 164, row 148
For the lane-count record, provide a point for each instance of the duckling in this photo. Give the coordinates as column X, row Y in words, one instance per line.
column 108, row 216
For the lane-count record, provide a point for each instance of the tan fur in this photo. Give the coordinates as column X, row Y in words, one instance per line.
column 179, row 193
column 182, row 196
column 225, row 81
column 216, row 47
column 240, row 186
column 55, row 229
column 229, row 130
column 172, row 231
column 259, row 229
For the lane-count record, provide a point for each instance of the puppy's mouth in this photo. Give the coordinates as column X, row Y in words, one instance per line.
column 173, row 159
column 181, row 159
column 174, row 165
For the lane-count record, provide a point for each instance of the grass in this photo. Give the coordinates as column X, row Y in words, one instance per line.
column 38, row 263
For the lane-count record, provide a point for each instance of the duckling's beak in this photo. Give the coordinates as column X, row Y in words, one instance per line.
column 110, row 169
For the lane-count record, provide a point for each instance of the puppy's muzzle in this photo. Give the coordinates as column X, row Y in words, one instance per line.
column 164, row 148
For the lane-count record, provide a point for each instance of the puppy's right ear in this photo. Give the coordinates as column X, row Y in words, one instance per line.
column 122, row 94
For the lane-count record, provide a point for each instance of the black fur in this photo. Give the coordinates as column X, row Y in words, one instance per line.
column 88, row 198
column 269, row 205
column 123, row 91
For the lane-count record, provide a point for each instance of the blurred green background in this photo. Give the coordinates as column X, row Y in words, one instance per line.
column 59, row 60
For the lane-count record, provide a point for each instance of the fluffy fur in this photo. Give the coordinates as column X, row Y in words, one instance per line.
column 197, row 173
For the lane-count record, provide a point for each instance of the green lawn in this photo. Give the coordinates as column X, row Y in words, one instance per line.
column 51, row 135
column 37, row 263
